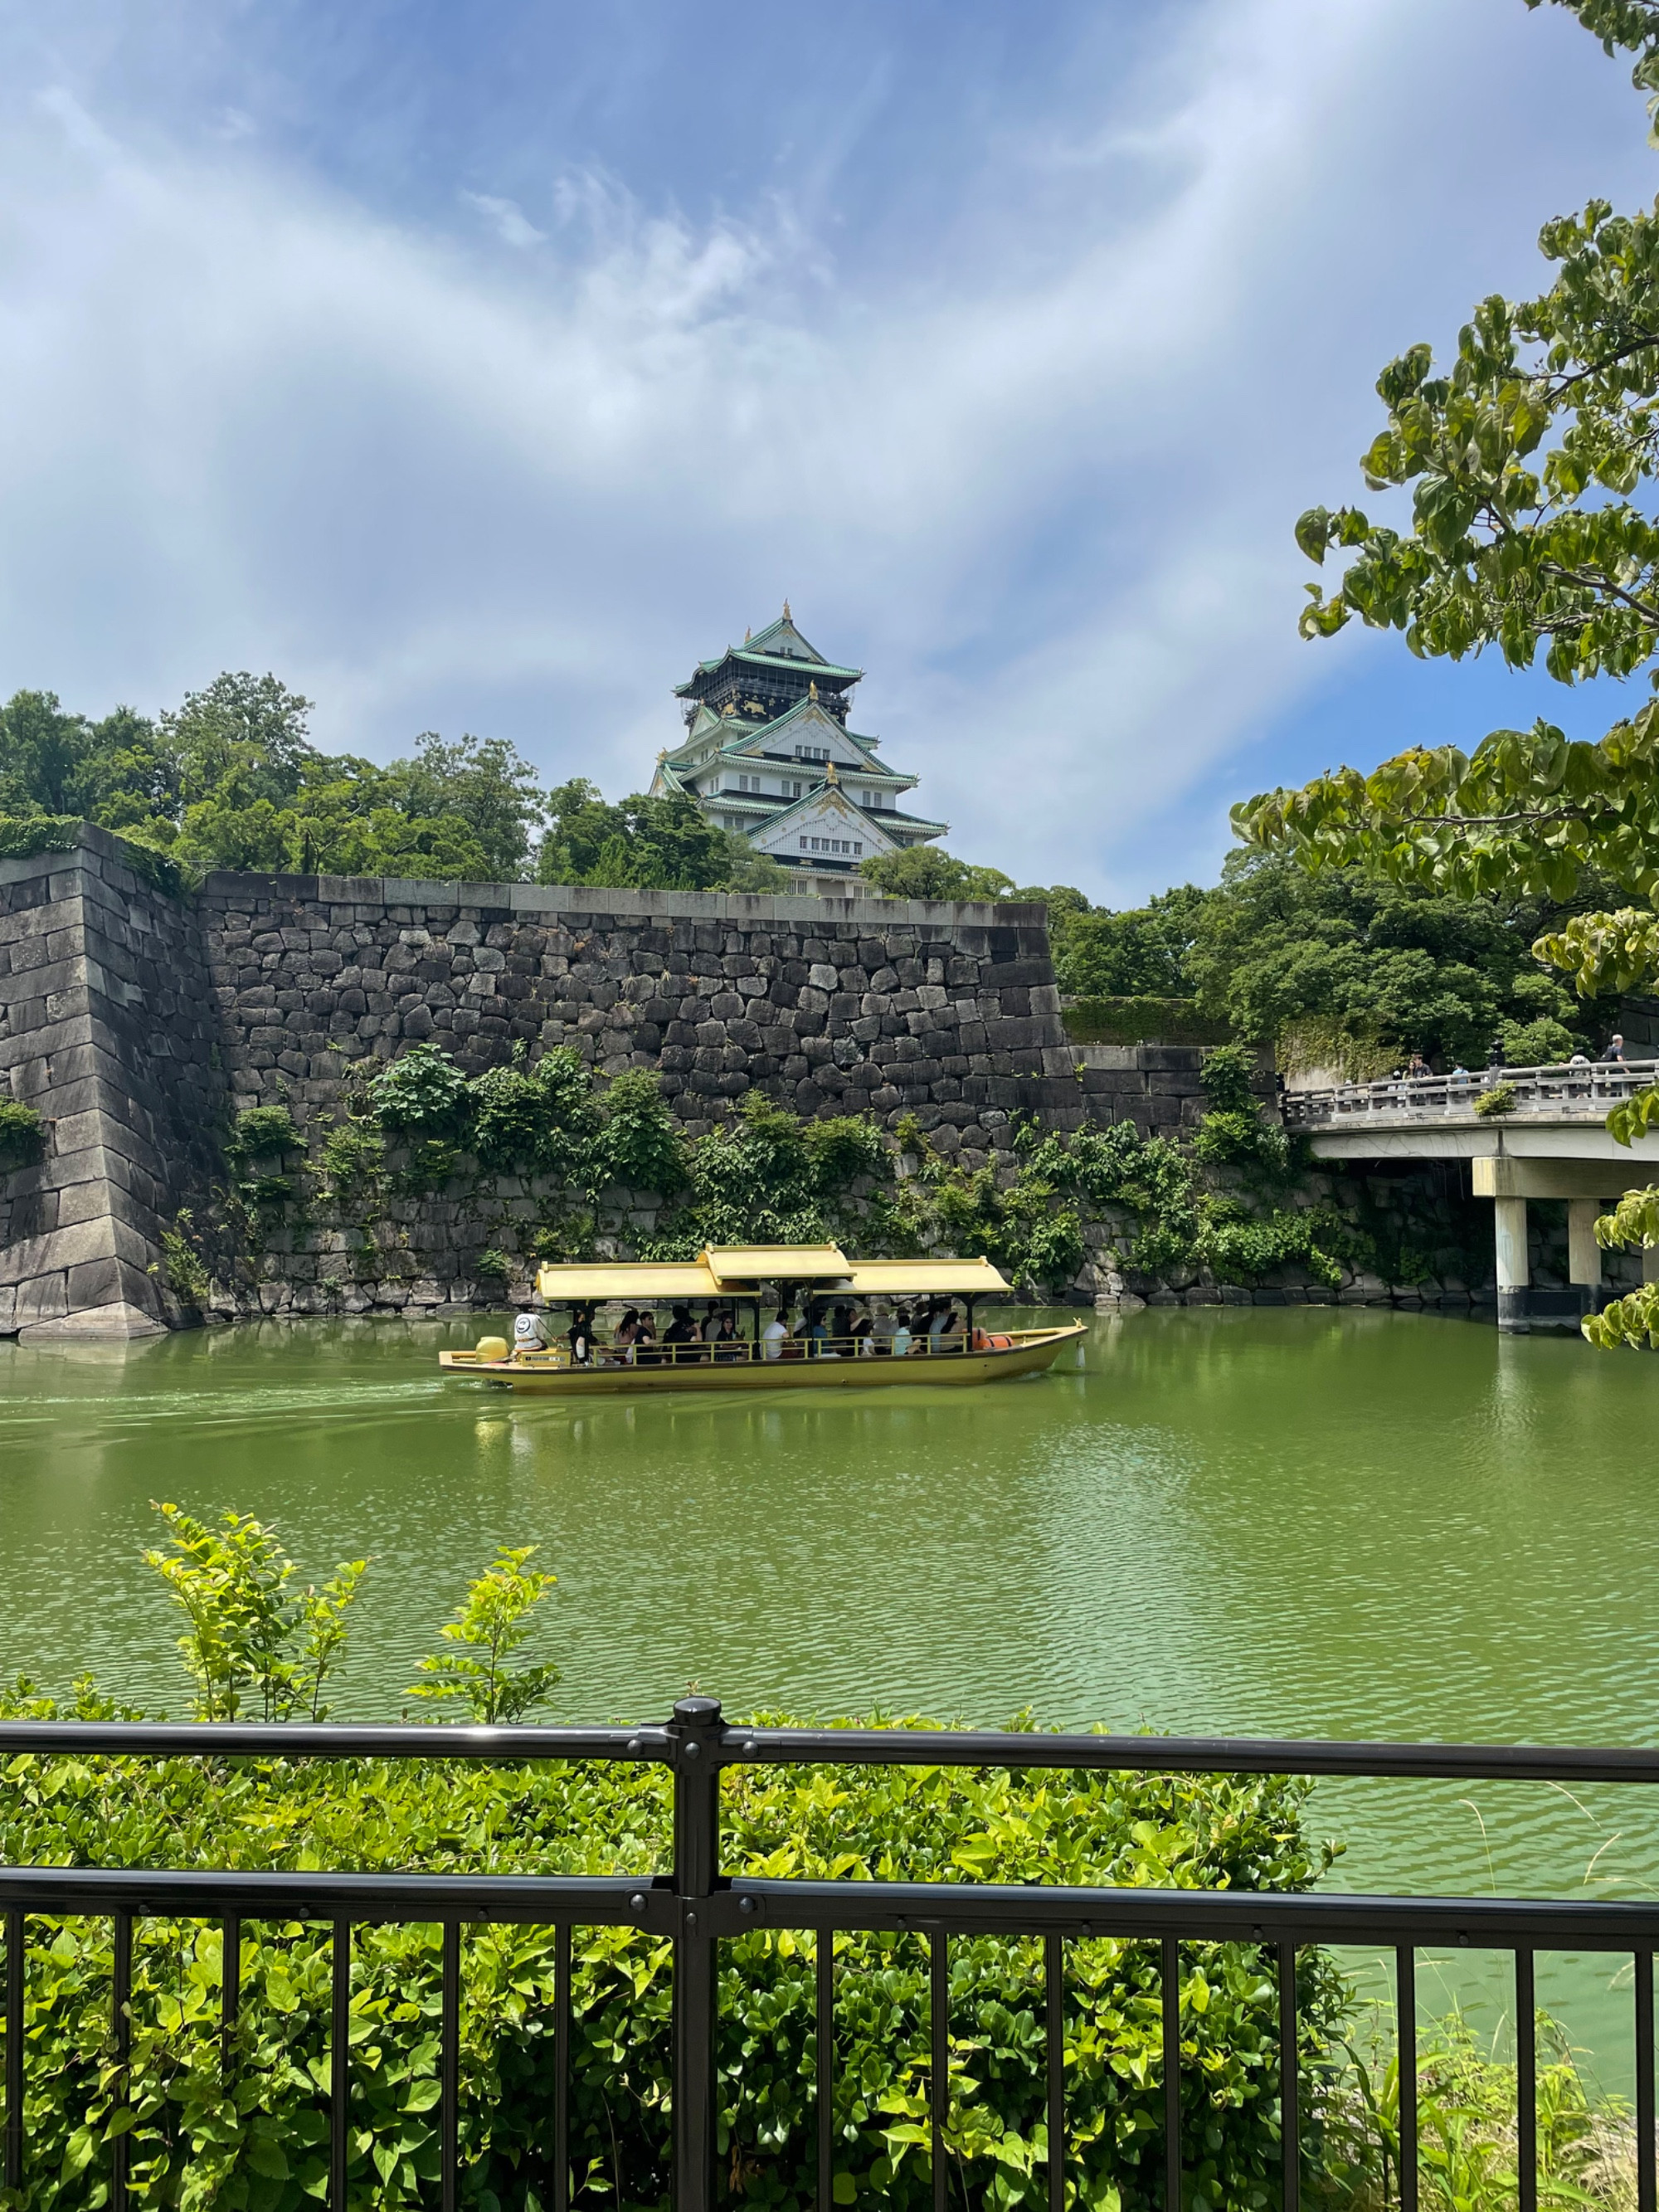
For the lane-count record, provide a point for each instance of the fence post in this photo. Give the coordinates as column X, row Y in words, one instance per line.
column 696, row 1731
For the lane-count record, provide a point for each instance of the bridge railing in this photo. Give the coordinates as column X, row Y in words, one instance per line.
column 1586, row 1087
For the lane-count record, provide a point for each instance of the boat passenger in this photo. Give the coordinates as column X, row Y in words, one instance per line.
column 580, row 1337
column 817, row 1339
column 729, row 1346
column 681, row 1333
column 901, row 1333
column 647, row 1352
column 882, row 1332
column 529, row 1332
column 621, row 1352
column 773, row 1338
column 942, row 1334
column 864, row 1339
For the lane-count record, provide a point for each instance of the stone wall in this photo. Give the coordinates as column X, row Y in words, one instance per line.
column 947, row 1011
column 135, row 1023
column 109, row 1033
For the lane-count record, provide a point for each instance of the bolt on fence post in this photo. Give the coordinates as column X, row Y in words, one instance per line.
column 696, row 1732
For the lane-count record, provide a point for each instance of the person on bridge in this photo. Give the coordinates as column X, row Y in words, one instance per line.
column 1615, row 1050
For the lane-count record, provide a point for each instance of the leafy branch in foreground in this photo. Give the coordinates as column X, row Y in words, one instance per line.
column 475, row 1667
column 251, row 1639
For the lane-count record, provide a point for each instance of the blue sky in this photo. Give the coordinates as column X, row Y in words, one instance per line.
column 480, row 367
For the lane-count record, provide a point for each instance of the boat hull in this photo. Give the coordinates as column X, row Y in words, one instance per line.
column 1031, row 1353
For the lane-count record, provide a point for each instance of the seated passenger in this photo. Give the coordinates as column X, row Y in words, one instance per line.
column 620, row 1352
column 773, row 1337
column 901, row 1333
column 580, row 1335
column 529, row 1332
column 647, row 1351
column 728, row 1346
column 681, row 1335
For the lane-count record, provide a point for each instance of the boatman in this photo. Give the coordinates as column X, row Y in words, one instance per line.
column 528, row 1335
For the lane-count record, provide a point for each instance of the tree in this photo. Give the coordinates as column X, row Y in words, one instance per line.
column 1526, row 457
column 1345, row 968
column 643, row 843
column 924, row 872
column 1139, row 953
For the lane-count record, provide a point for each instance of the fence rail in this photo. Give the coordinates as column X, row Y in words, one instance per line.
column 1552, row 1093
column 696, row 1907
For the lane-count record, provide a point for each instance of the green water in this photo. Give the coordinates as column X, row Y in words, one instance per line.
column 1241, row 1521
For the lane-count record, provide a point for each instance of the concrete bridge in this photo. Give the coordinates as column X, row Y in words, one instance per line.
column 1551, row 1144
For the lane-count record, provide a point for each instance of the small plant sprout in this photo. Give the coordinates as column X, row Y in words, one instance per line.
column 476, row 1667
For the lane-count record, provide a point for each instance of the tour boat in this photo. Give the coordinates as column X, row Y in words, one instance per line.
column 817, row 1279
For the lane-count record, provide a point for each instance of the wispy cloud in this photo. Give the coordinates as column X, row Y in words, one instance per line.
column 1036, row 471
column 506, row 218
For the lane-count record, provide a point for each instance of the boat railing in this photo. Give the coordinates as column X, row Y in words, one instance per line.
column 744, row 1351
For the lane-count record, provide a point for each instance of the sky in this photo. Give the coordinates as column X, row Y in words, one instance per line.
column 480, row 367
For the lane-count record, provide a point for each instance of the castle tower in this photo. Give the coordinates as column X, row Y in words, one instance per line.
column 768, row 752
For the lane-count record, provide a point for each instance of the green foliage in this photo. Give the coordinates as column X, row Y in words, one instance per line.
column 1228, row 1075
column 1502, row 1098
column 1140, row 953
column 1634, row 1116
column 181, row 1262
column 352, row 1160
column 252, row 1639
column 754, row 1180
column 1360, row 964
column 644, row 844
column 747, row 869
column 251, row 2133
column 924, row 872
column 1634, row 1220
column 22, row 1134
column 638, row 1145
column 1142, row 1021
column 230, row 780
column 422, row 1093
column 262, row 1132
column 1630, row 1323
column 24, row 835
column 476, row 1667
column 492, row 1266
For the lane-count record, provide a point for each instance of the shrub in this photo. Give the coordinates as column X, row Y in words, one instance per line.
column 1502, row 1098
column 22, row 1134
column 492, row 1267
column 542, row 1120
column 354, row 1158
column 421, row 1094
column 639, row 1145
column 181, row 1265
column 262, row 1132
column 475, row 1666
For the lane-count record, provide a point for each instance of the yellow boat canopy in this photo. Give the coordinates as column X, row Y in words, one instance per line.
column 738, row 1272
column 943, row 1278
column 777, row 1263
column 590, row 1283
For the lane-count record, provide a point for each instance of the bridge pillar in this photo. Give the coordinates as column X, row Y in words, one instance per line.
column 1583, row 1253
column 1513, row 1269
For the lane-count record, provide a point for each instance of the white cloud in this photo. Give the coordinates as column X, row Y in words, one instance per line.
column 511, row 224
column 1040, row 481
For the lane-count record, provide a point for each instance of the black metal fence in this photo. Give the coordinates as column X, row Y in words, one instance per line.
column 694, row 1905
